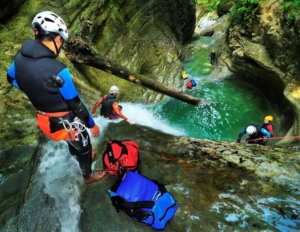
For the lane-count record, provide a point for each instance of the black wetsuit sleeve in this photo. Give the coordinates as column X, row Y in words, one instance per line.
column 79, row 109
column 70, row 95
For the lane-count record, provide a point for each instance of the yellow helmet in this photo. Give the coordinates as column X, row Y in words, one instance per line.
column 213, row 51
column 269, row 118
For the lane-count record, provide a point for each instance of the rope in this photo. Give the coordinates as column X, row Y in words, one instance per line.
column 273, row 138
column 77, row 127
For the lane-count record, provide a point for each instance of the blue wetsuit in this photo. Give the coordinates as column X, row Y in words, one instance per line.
column 49, row 86
column 260, row 134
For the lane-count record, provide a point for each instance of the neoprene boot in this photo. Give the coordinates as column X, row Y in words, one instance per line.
column 95, row 176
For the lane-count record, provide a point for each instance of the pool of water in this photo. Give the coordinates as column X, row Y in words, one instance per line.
column 229, row 105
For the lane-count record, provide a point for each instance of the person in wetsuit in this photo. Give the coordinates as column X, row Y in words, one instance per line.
column 268, row 124
column 114, row 115
column 213, row 57
column 257, row 134
column 61, row 115
column 110, row 105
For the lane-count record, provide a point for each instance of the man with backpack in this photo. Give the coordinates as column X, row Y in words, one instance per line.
column 110, row 105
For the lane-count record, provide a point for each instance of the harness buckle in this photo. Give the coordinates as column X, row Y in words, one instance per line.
column 41, row 112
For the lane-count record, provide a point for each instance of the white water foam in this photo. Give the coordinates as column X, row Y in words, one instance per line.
column 63, row 181
column 142, row 115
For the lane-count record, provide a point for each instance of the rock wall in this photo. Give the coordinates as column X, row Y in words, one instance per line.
column 144, row 36
column 264, row 51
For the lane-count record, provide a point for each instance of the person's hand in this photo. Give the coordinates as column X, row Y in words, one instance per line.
column 95, row 130
column 94, row 115
column 130, row 122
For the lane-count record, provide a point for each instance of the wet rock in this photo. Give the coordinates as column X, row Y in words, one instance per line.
column 215, row 183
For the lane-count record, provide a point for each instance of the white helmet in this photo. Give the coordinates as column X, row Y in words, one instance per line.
column 251, row 130
column 114, row 89
column 50, row 22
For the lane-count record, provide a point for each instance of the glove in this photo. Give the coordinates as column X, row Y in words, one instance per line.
column 95, row 130
column 238, row 141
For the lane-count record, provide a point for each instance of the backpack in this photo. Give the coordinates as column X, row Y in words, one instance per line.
column 194, row 83
column 144, row 200
column 189, row 84
column 120, row 156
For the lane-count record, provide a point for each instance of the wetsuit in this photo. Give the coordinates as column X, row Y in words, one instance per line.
column 213, row 57
column 49, row 86
column 109, row 108
column 260, row 134
column 269, row 127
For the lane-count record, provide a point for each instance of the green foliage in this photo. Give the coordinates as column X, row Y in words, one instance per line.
column 243, row 10
column 209, row 5
column 292, row 8
column 76, row 31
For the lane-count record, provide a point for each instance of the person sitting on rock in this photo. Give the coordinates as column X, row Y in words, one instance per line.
column 110, row 105
column 257, row 134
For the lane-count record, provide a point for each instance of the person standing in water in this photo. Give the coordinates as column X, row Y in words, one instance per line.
column 61, row 115
column 213, row 57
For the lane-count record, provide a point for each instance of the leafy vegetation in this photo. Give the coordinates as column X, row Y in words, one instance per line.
column 292, row 8
column 209, row 5
column 243, row 10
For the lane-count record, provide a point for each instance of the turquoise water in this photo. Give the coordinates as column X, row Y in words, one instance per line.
column 230, row 104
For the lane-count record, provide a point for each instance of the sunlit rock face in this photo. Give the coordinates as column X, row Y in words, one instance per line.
column 263, row 51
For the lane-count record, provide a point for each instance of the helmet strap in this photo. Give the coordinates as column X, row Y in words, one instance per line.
column 56, row 48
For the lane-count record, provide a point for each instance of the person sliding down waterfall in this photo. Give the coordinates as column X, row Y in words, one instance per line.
column 61, row 115
column 257, row 134
column 110, row 106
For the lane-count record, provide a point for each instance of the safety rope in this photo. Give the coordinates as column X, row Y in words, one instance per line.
column 273, row 138
column 77, row 127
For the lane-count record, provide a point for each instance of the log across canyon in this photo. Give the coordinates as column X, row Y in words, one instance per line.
column 79, row 51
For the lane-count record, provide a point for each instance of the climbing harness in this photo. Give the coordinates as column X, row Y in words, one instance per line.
column 77, row 127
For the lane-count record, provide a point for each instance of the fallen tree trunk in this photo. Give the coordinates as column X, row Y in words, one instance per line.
column 79, row 51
